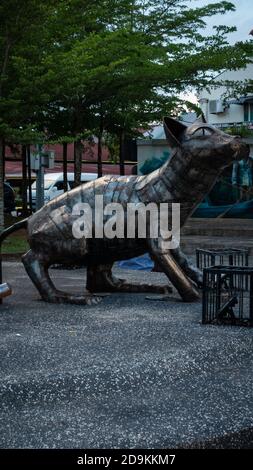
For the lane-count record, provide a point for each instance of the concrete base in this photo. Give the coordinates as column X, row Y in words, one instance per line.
column 127, row 373
column 217, row 233
column 234, row 228
column 189, row 244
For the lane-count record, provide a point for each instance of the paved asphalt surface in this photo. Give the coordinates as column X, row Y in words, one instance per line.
column 127, row 373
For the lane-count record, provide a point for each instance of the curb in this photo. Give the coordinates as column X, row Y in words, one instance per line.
column 12, row 256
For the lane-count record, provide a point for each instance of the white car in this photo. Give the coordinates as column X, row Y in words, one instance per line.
column 53, row 185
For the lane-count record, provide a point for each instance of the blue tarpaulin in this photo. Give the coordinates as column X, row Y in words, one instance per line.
column 142, row 263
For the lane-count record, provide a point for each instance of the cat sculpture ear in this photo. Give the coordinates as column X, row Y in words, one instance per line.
column 174, row 131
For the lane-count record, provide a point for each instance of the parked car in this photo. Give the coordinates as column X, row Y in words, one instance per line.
column 53, row 185
column 9, row 198
column 239, row 210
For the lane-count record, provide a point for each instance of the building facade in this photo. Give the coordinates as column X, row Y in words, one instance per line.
column 222, row 109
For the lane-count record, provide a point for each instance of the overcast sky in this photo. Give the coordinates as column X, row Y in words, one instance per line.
column 242, row 18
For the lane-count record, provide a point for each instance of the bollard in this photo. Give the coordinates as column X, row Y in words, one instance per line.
column 5, row 290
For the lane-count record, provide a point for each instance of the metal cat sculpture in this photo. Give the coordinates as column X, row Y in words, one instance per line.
column 199, row 154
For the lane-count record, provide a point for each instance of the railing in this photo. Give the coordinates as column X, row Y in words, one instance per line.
column 225, row 125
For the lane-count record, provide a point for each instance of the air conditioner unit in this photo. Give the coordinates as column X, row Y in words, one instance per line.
column 216, row 107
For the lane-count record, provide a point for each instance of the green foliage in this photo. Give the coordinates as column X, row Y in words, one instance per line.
column 112, row 143
column 242, row 131
column 73, row 68
column 68, row 64
column 154, row 163
column 15, row 245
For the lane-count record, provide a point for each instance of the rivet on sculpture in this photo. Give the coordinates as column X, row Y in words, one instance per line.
column 200, row 153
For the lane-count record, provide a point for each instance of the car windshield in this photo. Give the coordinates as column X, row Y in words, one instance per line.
column 47, row 184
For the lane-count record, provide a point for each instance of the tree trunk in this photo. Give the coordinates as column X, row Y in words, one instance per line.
column 121, row 154
column 2, row 145
column 29, row 178
column 3, row 155
column 5, row 64
column 101, row 129
column 24, row 182
column 65, row 166
column 78, row 154
column 99, row 162
column 1, row 186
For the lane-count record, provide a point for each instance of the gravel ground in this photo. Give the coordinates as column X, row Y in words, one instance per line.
column 127, row 373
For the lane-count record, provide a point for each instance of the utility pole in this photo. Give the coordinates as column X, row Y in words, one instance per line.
column 29, row 177
column 40, row 179
column 39, row 161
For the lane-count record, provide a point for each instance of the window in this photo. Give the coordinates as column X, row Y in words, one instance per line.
column 248, row 112
column 72, row 183
column 47, row 184
column 59, row 185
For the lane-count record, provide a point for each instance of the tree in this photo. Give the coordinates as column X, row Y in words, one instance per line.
column 127, row 60
column 71, row 68
column 22, row 30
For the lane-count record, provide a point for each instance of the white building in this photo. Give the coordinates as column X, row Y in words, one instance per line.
column 222, row 109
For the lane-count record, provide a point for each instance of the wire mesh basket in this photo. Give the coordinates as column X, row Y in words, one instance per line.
column 228, row 295
column 224, row 257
